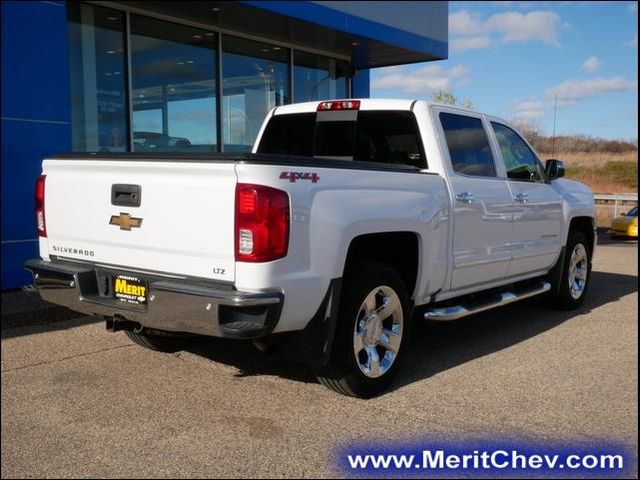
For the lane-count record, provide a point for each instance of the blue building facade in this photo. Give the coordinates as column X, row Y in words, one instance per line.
column 183, row 76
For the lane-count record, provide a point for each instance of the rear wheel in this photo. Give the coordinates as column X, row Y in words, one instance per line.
column 159, row 340
column 372, row 332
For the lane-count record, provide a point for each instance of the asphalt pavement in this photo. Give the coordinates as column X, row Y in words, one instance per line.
column 80, row 402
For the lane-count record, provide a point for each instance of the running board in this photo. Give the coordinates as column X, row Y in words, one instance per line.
column 504, row 298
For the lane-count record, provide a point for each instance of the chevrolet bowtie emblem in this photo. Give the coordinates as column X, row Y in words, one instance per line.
column 125, row 221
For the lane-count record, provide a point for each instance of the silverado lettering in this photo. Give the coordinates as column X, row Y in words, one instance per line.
column 74, row 251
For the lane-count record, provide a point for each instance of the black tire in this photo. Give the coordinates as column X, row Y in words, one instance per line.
column 159, row 341
column 562, row 296
column 343, row 373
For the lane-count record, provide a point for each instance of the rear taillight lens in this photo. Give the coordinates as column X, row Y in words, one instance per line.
column 41, row 224
column 262, row 223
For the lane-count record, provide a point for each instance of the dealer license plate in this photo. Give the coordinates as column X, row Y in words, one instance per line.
column 130, row 289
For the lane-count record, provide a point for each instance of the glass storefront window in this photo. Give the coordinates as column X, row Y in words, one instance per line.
column 174, row 87
column 318, row 78
column 256, row 79
column 98, row 78
column 173, row 104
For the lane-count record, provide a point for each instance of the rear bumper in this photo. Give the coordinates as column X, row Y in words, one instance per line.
column 188, row 306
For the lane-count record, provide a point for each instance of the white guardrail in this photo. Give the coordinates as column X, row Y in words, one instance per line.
column 616, row 198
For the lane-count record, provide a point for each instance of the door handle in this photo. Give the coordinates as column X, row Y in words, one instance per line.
column 521, row 197
column 465, row 197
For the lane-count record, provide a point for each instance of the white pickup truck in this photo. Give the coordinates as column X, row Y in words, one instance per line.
column 348, row 219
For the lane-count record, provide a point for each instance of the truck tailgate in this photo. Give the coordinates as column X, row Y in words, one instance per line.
column 185, row 212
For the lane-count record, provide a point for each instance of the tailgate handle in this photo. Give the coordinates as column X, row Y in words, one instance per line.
column 125, row 195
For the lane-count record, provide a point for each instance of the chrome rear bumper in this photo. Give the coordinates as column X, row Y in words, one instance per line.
column 189, row 306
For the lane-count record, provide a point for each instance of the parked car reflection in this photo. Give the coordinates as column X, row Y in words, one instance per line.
column 159, row 141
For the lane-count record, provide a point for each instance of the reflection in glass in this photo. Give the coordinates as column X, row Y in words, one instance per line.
column 318, row 78
column 174, row 87
column 98, row 112
column 174, row 71
column 255, row 80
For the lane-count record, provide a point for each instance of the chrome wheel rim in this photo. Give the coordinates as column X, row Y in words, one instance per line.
column 377, row 334
column 578, row 271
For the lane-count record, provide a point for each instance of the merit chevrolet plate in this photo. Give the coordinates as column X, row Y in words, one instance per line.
column 130, row 289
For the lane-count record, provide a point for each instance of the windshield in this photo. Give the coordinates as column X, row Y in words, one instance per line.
column 633, row 212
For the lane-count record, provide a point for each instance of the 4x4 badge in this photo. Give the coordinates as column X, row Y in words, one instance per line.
column 125, row 221
column 293, row 176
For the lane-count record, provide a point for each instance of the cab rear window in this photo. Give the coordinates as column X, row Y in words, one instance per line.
column 388, row 137
column 289, row 135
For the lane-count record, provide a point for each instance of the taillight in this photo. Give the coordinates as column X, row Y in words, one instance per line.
column 41, row 224
column 339, row 105
column 262, row 223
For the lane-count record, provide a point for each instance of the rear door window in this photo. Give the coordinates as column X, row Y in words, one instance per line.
column 468, row 145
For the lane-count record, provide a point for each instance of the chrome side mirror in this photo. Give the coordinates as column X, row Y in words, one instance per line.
column 554, row 169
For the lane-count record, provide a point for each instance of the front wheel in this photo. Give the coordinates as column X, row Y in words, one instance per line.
column 372, row 332
column 576, row 272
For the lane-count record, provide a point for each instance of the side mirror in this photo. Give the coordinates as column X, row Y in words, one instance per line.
column 554, row 169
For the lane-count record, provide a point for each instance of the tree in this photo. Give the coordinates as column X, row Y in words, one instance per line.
column 440, row 96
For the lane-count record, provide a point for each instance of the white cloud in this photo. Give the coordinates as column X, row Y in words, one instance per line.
column 424, row 80
column 466, row 24
column 528, row 109
column 591, row 64
column 633, row 7
column 507, row 27
column 518, row 27
column 570, row 91
column 633, row 43
column 472, row 43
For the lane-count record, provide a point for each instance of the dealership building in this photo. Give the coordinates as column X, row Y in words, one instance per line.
column 188, row 77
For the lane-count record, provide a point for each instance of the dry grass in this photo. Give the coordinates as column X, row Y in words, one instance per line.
column 591, row 159
column 603, row 172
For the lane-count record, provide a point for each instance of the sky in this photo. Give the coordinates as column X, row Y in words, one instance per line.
column 511, row 59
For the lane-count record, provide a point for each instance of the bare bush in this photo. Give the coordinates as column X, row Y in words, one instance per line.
column 577, row 143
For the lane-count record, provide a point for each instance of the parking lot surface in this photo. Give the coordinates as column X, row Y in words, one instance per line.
column 78, row 401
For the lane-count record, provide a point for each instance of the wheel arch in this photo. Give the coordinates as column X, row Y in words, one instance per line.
column 587, row 226
column 584, row 224
column 398, row 250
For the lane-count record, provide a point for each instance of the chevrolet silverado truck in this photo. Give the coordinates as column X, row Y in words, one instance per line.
column 348, row 220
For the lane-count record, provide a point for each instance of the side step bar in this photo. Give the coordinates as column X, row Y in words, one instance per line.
column 504, row 298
